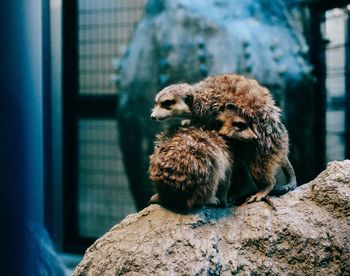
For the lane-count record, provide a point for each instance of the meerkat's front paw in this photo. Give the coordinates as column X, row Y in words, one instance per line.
column 257, row 197
column 186, row 122
column 261, row 196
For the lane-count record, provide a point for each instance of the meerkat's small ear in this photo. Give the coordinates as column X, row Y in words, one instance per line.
column 230, row 106
column 188, row 100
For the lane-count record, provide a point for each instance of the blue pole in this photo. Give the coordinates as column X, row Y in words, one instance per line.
column 21, row 142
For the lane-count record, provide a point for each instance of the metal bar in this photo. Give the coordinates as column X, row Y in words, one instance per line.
column 97, row 106
column 47, row 118
column 318, row 60
column 70, row 139
column 320, row 5
column 106, row 10
column 105, row 26
column 337, row 46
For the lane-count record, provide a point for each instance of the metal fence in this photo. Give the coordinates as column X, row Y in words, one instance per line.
column 95, row 35
column 104, row 29
column 97, row 193
column 335, row 31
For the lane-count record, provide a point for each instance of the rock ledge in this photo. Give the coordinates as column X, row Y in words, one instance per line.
column 308, row 234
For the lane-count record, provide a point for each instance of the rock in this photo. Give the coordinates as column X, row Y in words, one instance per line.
column 307, row 234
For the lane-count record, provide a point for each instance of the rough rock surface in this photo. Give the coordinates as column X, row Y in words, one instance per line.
column 307, row 234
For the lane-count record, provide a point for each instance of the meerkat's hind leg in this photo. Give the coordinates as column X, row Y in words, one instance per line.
column 289, row 172
column 223, row 199
column 291, row 183
column 213, row 201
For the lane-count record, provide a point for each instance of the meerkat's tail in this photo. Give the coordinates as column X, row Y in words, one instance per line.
column 288, row 171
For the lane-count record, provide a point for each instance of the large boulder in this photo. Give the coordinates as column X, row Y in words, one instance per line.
column 307, row 234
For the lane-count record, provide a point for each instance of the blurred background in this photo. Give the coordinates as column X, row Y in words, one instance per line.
column 83, row 75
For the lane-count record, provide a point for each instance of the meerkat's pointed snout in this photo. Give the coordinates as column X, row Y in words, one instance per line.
column 159, row 114
column 153, row 116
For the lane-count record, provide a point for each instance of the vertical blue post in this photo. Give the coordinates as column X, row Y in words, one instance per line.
column 21, row 135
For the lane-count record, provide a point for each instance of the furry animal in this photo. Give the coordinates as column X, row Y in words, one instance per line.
column 265, row 146
column 203, row 101
column 173, row 101
column 182, row 101
column 190, row 167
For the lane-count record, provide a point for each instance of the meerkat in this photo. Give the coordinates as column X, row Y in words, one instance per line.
column 190, row 167
column 265, row 146
column 183, row 102
column 201, row 101
column 173, row 101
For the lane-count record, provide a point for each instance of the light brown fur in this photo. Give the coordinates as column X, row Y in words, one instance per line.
column 253, row 99
column 190, row 167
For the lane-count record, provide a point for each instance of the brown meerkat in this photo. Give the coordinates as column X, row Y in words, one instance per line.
column 174, row 101
column 182, row 101
column 190, row 167
column 265, row 148
column 202, row 101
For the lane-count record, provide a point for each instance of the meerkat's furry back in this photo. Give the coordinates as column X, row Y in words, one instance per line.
column 252, row 98
column 191, row 167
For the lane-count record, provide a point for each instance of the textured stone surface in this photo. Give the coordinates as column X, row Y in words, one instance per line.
column 308, row 234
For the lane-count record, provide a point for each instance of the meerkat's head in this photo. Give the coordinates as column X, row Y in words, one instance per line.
column 230, row 124
column 173, row 101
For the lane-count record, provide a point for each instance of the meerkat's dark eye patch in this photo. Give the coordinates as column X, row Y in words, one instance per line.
column 167, row 103
column 230, row 106
column 217, row 125
column 240, row 125
column 189, row 100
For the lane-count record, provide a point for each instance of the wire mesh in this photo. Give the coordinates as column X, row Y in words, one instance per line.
column 104, row 198
column 105, row 28
column 103, row 193
column 335, row 51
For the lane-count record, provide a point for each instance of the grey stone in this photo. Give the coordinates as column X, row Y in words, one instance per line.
column 307, row 234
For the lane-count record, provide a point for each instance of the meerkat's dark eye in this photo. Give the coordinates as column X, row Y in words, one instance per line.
column 167, row 104
column 189, row 100
column 217, row 125
column 240, row 125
